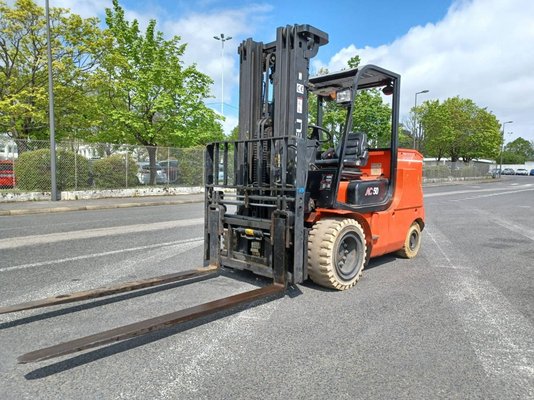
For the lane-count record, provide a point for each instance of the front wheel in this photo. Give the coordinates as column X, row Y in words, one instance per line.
column 336, row 253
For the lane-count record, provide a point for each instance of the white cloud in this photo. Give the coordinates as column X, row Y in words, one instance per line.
column 481, row 50
column 198, row 30
column 85, row 8
column 97, row 8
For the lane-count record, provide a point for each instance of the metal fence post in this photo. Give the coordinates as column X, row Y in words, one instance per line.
column 168, row 165
column 75, row 148
column 126, row 163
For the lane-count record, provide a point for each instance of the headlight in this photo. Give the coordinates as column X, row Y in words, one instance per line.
column 343, row 96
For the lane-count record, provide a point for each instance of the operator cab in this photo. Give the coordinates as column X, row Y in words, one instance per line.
column 348, row 167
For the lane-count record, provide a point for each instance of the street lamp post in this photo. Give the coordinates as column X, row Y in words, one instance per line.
column 415, row 127
column 223, row 39
column 502, row 144
column 53, row 183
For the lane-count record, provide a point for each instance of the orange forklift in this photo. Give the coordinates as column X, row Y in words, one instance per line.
column 290, row 200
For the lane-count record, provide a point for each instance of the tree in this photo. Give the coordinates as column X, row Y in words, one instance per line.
column 521, row 148
column 234, row 135
column 146, row 94
column 438, row 135
column 76, row 46
column 509, row 157
column 458, row 128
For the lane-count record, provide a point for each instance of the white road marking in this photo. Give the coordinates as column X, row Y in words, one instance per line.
column 197, row 240
column 453, row 192
column 494, row 194
column 33, row 240
column 500, row 336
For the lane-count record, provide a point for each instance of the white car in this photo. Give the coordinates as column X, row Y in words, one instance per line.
column 521, row 171
column 143, row 174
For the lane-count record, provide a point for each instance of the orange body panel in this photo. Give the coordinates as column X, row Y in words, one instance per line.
column 386, row 230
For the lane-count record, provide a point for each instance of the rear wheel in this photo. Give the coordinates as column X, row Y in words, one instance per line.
column 336, row 253
column 412, row 243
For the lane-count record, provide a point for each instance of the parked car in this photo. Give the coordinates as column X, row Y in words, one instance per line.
column 508, row 171
column 143, row 174
column 171, row 169
column 521, row 171
column 532, row 172
column 7, row 174
column 494, row 172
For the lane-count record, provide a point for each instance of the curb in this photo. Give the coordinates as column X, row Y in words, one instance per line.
column 50, row 210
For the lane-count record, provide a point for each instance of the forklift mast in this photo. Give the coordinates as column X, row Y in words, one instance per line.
column 265, row 167
column 273, row 77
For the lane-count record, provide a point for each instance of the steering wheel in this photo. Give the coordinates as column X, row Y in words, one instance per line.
column 315, row 134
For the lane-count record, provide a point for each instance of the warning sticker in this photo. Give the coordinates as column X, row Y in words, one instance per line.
column 376, row 169
column 299, row 105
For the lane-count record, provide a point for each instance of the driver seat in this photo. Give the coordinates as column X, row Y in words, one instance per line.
column 357, row 152
column 356, row 155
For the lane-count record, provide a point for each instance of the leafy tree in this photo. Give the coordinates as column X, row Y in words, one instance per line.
column 76, row 45
column 438, row 137
column 234, row 135
column 373, row 117
column 405, row 138
column 146, row 94
column 523, row 149
column 509, row 157
column 458, row 128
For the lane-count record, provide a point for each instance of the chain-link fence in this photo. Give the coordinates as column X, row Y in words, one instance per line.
column 455, row 170
column 25, row 166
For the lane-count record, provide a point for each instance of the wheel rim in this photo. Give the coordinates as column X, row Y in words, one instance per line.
column 348, row 258
column 414, row 240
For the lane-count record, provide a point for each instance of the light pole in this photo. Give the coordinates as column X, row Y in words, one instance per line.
column 502, row 144
column 223, row 39
column 415, row 115
column 53, row 183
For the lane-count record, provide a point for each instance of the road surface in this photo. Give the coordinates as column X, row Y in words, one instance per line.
column 456, row 322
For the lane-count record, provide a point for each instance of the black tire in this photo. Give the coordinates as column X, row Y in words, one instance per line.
column 336, row 253
column 412, row 243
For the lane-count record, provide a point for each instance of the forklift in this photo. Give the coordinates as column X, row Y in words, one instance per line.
column 289, row 200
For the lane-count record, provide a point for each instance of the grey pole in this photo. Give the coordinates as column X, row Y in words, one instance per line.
column 502, row 144
column 415, row 115
column 53, row 190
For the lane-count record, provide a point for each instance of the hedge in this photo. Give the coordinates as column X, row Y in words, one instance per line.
column 32, row 170
column 110, row 172
column 191, row 166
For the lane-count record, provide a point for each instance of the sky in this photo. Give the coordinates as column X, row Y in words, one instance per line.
column 476, row 49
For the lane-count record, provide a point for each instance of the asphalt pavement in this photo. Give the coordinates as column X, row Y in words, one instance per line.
column 455, row 322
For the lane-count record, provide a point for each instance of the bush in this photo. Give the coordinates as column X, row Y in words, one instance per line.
column 110, row 172
column 191, row 167
column 33, row 170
